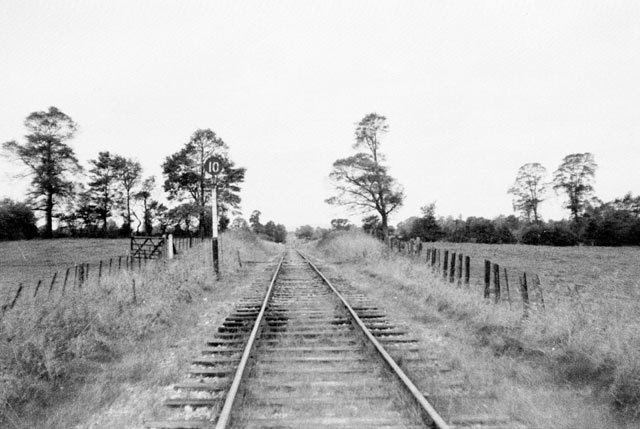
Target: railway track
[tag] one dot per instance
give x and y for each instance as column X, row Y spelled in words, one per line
column 302, row 355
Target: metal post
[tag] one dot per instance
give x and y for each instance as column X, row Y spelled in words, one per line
column 214, row 231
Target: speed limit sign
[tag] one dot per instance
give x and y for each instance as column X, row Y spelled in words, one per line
column 213, row 165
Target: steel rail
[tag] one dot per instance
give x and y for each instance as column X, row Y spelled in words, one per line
column 438, row 421
column 225, row 414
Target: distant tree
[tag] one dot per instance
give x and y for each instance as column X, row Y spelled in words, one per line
column 575, row 177
column 49, row 158
column 270, row 229
column 628, row 203
column 280, row 235
column 128, row 175
column 185, row 177
column 528, row 190
column 361, row 181
column 305, row 232
column 144, row 195
column 239, row 223
column 183, row 216
column 341, row 224
column 103, row 185
column 17, row 221
column 254, row 221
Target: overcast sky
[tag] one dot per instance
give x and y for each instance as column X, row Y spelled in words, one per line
column 472, row 90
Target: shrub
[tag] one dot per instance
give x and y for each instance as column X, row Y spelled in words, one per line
column 554, row 235
column 17, row 221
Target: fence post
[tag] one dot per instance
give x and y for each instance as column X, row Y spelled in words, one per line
column 100, row 272
column 110, row 264
column 15, row 298
column 452, row 268
column 467, row 269
column 52, row 282
column 35, row 292
column 496, row 282
column 190, row 241
column 66, row 276
column 445, row 264
column 86, row 274
column 80, row 275
column 169, row 245
column 460, row 269
column 525, row 293
column 133, row 287
column 487, row 278
column 506, row 285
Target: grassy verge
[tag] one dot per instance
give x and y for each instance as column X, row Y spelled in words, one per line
column 64, row 360
column 579, row 357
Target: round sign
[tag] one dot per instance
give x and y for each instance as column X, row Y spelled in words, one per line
column 213, row 165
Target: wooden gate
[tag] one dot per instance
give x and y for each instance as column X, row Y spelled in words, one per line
column 147, row 247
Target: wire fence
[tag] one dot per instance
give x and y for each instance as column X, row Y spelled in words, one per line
column 496, row 282
column 75, row 277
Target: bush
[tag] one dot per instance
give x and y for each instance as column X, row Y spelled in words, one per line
column 17, row 221
column 549, row 235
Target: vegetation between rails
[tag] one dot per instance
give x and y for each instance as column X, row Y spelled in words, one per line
column 584, row 342
column 48, row 348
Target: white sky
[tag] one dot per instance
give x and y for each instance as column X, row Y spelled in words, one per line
column 472, row 90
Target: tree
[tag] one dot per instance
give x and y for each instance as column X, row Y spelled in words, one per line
column 103, row 185
column 254, row 221
column 128, row 174
column 305, row 232
column 49, row 159
column 341, row 224
column 185, row 177
column 528, row 190
column 183, row 216
column 361, row 181
column 575, row 177
column 17, row 221
column 148, row 185
column 239, row 223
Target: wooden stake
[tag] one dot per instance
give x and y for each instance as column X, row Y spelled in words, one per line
column 524, row 292
column 35, row 292
column 445, row 264
column 496, row 282
column 452, row 269
column 66, row 276
column 467, row 269
column 487, row 278
column 460, row 269
column 506, row 285
column 52, row 282
column 15, row 298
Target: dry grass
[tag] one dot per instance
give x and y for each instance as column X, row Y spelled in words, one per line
column 100, row 336
column 583, row 344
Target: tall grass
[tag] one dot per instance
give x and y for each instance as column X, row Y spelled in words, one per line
column 45, row 344
column 587, row 342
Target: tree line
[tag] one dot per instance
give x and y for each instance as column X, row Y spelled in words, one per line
column 363, row 185
column 90, row 202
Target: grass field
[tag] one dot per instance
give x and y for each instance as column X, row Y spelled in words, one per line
column 550, row 369
column 611, row 272
column 28, row 261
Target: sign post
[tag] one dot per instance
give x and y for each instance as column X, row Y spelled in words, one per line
column 213, row 166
